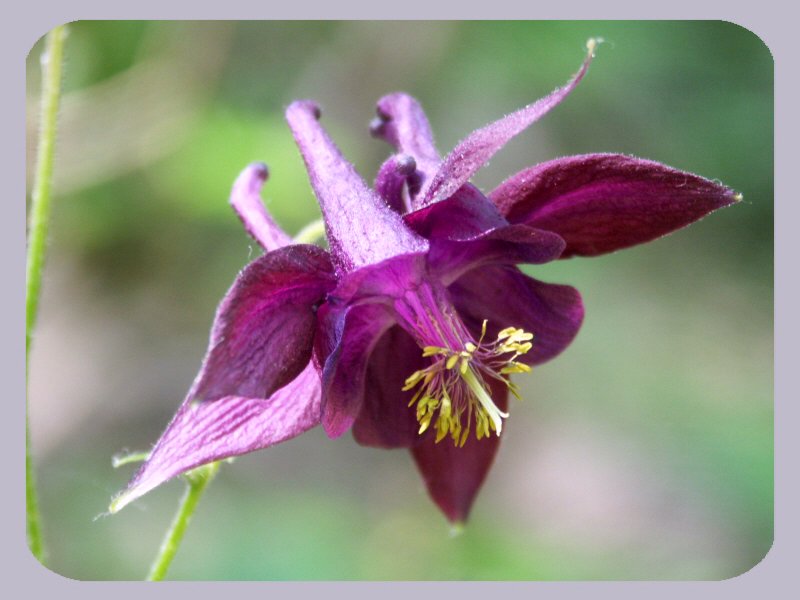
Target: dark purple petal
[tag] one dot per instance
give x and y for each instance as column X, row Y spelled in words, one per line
column 344, row 377
column 361, row 228
column 246, row 201
column 454, row 475
column 263, row 331
column 604, row 202
column 385, row 419
column 506, row 297
column 390, row 183
column 464, row 215
column 450, row 259
column 380, row 282
column 204, row 432
column 474, row 151
column 402, row 123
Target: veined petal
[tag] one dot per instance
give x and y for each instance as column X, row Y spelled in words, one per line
column 246, row 201
column 506, row 297
column 402, row 123
column 361, row 228
column 385, row 419
column 474, row 151
column 454, row 475
column 380, row 282
column 205, row 432
column 226, row 413
column 467, row 214
column 604, row 202
column 448, row 260
column 344, row 376
column 263, row 331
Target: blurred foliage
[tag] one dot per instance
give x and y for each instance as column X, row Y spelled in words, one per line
column 668, row 386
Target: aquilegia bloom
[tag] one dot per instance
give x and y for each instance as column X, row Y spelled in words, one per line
column 408, row 330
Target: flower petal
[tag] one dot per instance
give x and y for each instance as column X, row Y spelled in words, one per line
column 205, row 432
column 390, row 183
column 380, row 282
column 506, row 297
column 263, row 331
column 600, row 203
column 402, row 123
column 345, row 374
column 361, row 228
column 464, row 215
column 385, row 419
column 478, row 147
column 246, row 201
column 448, row 260
column 454, row 475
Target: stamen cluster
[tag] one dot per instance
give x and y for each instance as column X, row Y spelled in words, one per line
column 454, row 389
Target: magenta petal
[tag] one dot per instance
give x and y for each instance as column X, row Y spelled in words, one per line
column 506, row 297
column 454, row 475
column 402, row 123
column 604, row 202
column 448, row 260
column 381, row 282
column 390, row 183
column 479, row 146
column 385, row 419
column 361, row 228
column 205, row 432
column 464, row 215
column 263, row 331
column 344, row 376
column 246, row 201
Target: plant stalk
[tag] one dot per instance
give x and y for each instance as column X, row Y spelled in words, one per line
column 52, row 63
column 198, row 479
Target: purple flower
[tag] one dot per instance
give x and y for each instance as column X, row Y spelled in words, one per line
column 408, row 330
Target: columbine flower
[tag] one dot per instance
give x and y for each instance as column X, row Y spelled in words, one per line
column 418, row 316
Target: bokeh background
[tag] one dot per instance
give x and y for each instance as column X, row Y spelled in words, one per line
column 644, row 452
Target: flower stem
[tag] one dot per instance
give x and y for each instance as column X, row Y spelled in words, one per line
column 197, row 481
column 311, row 233
column 52, row 61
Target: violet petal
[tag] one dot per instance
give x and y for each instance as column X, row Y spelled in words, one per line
column 246, row 201
column 205, row 432
column 264, row 327
column 464, row 215
column 448, row 260
column 506, row 297
column 479, row 146
column 344, row 375
column 385, row 419
column 380, row 282
column 454, row 475
column 604, row 202
column 361, row 228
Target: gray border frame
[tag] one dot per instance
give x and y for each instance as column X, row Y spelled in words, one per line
column 772, row 24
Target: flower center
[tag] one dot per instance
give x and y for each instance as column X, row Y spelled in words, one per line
column 452, row 392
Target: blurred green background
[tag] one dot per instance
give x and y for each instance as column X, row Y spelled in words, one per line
column 644, row 452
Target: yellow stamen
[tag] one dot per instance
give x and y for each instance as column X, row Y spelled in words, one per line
column 454, row 396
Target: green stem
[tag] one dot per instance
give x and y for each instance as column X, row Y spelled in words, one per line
column 311, row 233
column 52, row 61
column 198, row 479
